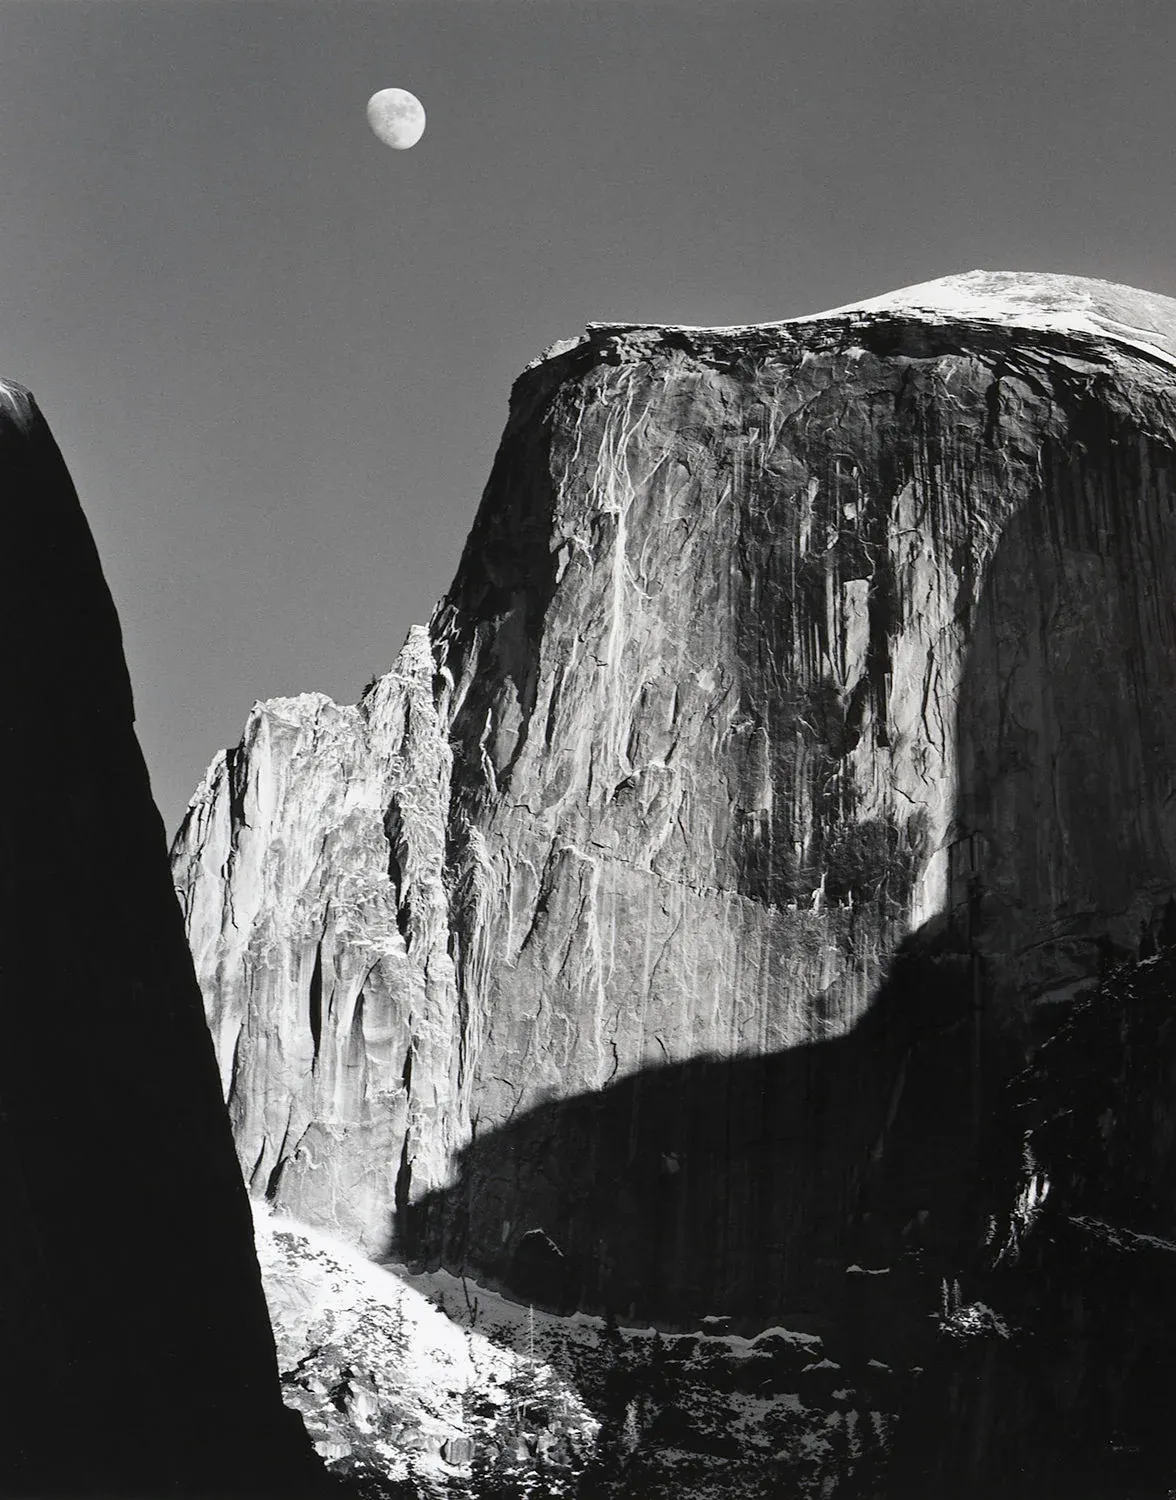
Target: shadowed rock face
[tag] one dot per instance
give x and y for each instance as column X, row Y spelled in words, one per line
column 138, row 1359
column 1074, row 1397
column 773, row 651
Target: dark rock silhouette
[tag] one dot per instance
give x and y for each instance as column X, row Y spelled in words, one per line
column 137, row 1355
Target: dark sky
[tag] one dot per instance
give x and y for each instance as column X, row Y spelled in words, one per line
column 277, row 354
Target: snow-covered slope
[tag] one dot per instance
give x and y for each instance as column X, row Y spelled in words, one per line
column 386, row 1383
column 1143, row 321
column 1082, row 307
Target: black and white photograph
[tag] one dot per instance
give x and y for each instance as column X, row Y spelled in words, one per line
column 589, row 840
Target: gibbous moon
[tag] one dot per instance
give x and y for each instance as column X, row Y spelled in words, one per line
column 396, row 117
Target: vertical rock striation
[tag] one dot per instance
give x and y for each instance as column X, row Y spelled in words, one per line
column 311, row 869
column 138, row 1358
column 777, row 655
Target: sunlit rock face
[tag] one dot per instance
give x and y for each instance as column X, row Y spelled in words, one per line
column 310, row 867
column 773, row 650
column 138, row 1357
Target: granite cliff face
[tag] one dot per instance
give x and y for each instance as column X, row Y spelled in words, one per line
column 138, row 1358
column 795, row 743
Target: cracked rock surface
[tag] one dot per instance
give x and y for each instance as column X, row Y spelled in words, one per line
column 775, row 653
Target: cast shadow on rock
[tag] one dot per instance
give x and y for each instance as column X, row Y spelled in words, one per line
column 739, row 1186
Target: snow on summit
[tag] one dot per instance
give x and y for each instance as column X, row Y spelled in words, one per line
column 1144, row 321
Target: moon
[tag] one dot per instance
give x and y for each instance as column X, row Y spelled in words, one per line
column 397, row 118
